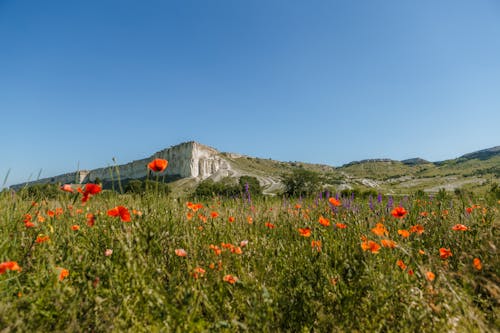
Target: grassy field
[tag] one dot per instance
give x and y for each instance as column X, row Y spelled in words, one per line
column 269, row 265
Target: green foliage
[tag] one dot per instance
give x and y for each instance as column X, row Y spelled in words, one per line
column 37, row 191
column 253, row 185
column 136, row 186
column 301, row 182
column 208, row 188
column 284, row 285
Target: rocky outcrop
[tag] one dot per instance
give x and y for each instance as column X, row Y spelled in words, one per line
column 186, row 160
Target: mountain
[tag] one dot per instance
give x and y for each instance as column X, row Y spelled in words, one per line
column 192, row 162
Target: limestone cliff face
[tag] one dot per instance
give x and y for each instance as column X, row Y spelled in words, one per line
column 187, row 160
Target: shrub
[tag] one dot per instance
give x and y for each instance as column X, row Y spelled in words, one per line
column 301, row 182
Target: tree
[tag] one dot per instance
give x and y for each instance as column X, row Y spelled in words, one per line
column 301, row 182
column 253, row 185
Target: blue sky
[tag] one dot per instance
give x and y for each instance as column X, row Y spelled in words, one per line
column 327, row 82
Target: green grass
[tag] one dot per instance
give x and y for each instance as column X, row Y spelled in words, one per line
column 283, row 283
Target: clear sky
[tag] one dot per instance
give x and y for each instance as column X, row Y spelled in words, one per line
column 317, row 81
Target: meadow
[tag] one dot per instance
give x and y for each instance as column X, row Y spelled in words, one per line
column 98, row 261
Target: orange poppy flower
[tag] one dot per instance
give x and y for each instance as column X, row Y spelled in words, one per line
column 270, row 225
column 422, row 252
column 29, row 224
column 380, row 230
column 216, row 249
column 418, row 229
column 90, row 219
column 42, row 238
column 40, row 218
column 324, row 221
column 120, row 211
column 477, row 264
column 231, row 219
column 158, row 165
column 50, row 213
column 401, row 264
column 460, row 227
column 214, row 215
column 75, row 227
column 298, row 206
column 469, row 210
column 334, row 202
column 399, row 212
column 316, row 244
column 404, row 233
column 236, row 250
column 249, row 219
column 9, row 266
column 306, row 232
column 424, row 214
column 430, row 276
column 370, row 246
column 388, row 243
column 230, row 279
column 202, row 218
column 198, row 272
column 63, row 273
column 341, row 225
column 180, row 252
column 445, row 253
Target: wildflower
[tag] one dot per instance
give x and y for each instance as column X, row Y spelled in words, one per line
column 430, row 276
column 341, row 225
column 298, row 206
column 445, row 253
column 270, row 225
column 63, row 273
column 249, row 219
column 236, row 250
column 324, row 221
column 401, row 264
column 198, row 272
column 90, row 189
column 120, row 211
column 158, row 165
column 90, row 219
column 29, row 224
column 459, row 227
column 75, row 227
column 231, row 219
column 67, row 188
column 399, row 212
column 477, row 264
column 316, row 244
column 404, row 233
column 334, row 202
column 9, row 266
column 137, row 212
column 380, row 230
column 469, row 210
column 388, row 243
column 108, row 252
column 214, row 215
column 410, row 272
column 370, row 246
column 50, row 213
column 422, row 252
column 40, row 218
column 306, row 232
column 180, row 252
column 244, row 243
column 230, row 279
column 41, row 239
column 424, row 214
column 418, row 229
column 216, row 249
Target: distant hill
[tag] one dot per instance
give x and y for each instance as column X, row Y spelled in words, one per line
column 192, row 162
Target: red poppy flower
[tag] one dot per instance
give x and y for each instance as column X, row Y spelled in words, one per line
column 158, row 165
column 445, row 253
column 399, row 212
column 430, row 276
column 370, row 246
column 270, row 225
column 477, row 264
column 63, row 273
column 401, row 264
column 9, row 266
column 418, row 229
column 120, row 211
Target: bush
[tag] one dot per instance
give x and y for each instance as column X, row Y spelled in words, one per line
column 38, row 191
column 136, row 186
column 301, row 182
column 253, row 185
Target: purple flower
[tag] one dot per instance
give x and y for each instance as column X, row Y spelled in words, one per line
column 379, row 197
